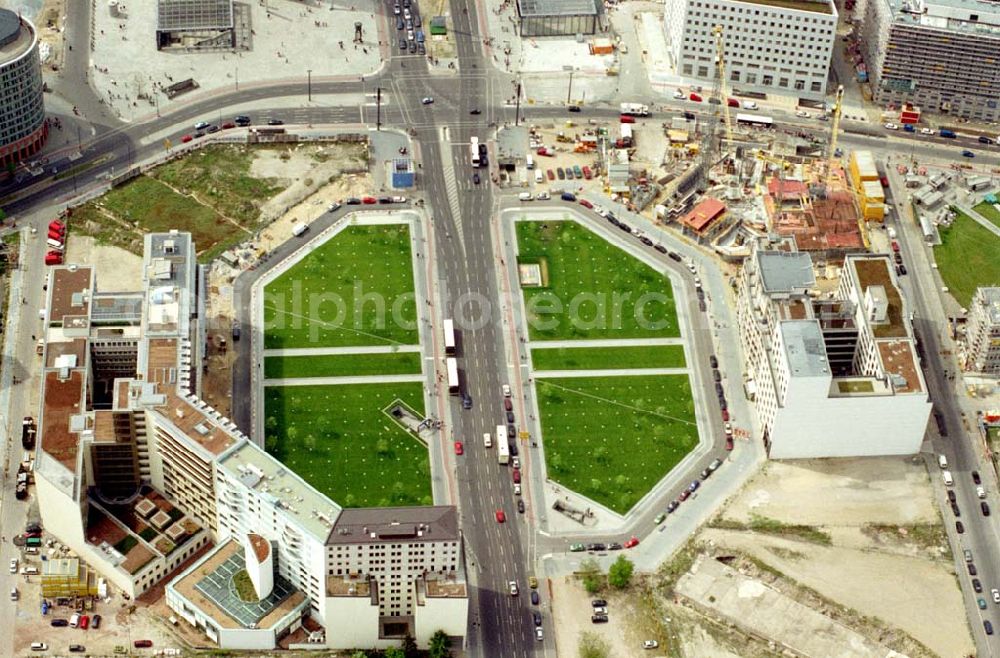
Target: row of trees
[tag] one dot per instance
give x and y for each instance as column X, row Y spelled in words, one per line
column 619, row 574
column 439, row 648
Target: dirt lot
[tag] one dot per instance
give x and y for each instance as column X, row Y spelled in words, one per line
column 117, row 270
column 571, row 610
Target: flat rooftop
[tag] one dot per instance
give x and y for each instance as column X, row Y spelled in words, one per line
column 876, row 271
column 804, row 348
column 785, row 272
column 64, row 398
column 349, row 586
column 69, row 293
column 815, row 6
column 445, row 588
column 989, row 300
column 900, row 364
column 188, row 15
column 395, row 524
column 261, row 472
column 208, row 586
column 16, row 36
column 528, row 8
column 948, row 15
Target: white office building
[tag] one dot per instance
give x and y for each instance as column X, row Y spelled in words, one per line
column 138, row 476
column 770, row 47
column 982, row 333
column 835, row 374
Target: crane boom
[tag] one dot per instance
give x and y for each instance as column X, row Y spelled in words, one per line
column 834, row 131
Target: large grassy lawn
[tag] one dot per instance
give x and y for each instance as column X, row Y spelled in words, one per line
column 338, row 440
column 606, row 358
column 968, row 257
column 613, row 438
column 356, row 289
column 594, row 290
column 342, row 365
column 989, row 212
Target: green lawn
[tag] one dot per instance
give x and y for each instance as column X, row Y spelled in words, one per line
column 356, row 289
column 967, row 258
column 594, row 290
column 342, row 365
column 613, row 438
column 339, row 441
column 989, row 212
column 604, row 358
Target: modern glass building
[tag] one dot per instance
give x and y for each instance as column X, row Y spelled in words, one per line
column 23, row 128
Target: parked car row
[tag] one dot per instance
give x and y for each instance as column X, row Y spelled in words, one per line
column 369, row 201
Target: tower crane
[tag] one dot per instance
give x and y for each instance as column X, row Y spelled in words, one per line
column 834, row 131
column 708, row 150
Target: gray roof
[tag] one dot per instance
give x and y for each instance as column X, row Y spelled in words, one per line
column 10, row 26
column 784, row 271
column 804, row 348
column 179, row 15
column 990, row 299
column 556, row 8
column 395, row 524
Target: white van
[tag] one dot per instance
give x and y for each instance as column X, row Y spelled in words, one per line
column 525, row 196
column 299, row 229
column 529, row 162
column 487, row 440
column 39, row 646
column 749, row 105
column 946, row 476
column 942, row 461
column 55, row 244
column 539, row 178
column 13, row 594
column 74, row 621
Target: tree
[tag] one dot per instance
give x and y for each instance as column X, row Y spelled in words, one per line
column 410, row 647
column 359, row 654
column 394, row 652
column 590, row 575
column 382, row 447
column 593, row 646
column 439, row 645
column 620, row 573
column 271, row 424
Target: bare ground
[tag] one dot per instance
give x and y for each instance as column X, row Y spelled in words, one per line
column 117, row 270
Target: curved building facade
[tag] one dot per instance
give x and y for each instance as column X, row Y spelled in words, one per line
column 23, row 128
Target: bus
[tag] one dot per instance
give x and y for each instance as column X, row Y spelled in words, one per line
column 754, row 120
column 452, row 364
column 503, row 448
column 474, row 151
column 449, row 337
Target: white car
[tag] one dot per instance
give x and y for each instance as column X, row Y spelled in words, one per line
column 928, row 131
column 600, row 610
column 517, row 490
column 515, row 462
column 543, row 196
column 539, row 635
column 891, row 126
column 650, row 644
column 427, row 101
column 13, row 565
column 506, row 390
column 201, row 125
column 981, row 492
column 512, row 587
column 804, row 115
column 679, row 95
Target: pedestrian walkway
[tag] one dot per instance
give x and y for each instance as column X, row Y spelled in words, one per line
column 606, row 342
column 979, row 219
column 617, row 372
column 332, row 381
column 325, row 351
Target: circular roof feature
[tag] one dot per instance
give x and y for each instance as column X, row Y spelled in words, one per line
column 10, row 26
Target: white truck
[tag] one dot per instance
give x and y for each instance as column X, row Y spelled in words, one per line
column 635, row 109
column 299, row 229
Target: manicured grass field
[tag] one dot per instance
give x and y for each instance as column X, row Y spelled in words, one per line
column 989, row 212
column 613, row 438
column 338, row 440
column 605, row 358
column 341, row 365
column 356, row 289
column 594, row 290
column 967, row 258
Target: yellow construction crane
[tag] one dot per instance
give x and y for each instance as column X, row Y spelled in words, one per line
column 834, row 131
column 721, row 62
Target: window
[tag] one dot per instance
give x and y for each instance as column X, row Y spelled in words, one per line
column 783, row 82
column 800, row 84
column 816, row 86
column 768, row 80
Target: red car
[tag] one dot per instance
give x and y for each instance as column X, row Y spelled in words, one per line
column 227, row 125
column 517, row 476
column 625, row 118
column 186, row 138
column 729, row 443
column 501, row 517
column 684, row 496
column 695, row 97
column 895, row 246
column 586, row 204
column 551, row 174
column 143, row 644
column 459, row 449
column 84, row 622
column 53, row 258
column 732, row 102
column 725, row 414
column 369, row 200
column 587, row 173
column 885, row 181
column 56, row 225
column 634, row 541
column 542, row 151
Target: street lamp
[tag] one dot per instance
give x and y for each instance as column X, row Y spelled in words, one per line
column 309, row 84
column 569, row 92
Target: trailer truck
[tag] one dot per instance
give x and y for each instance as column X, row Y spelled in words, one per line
column 635, row 110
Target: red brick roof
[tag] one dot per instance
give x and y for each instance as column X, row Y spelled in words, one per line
column 704, row 214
